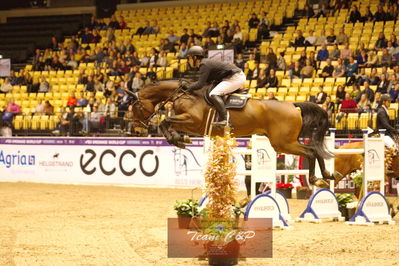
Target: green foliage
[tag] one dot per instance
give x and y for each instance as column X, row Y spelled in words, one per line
column 187, row 208
column 344, row 199
column 357, row 178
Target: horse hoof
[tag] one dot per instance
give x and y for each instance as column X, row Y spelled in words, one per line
column 186, row 139
column 312, row 180
column 322, row 183
column 180, row 145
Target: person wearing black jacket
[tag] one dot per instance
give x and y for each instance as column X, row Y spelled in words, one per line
column 228, row 78
column 354, row 15
column 383, row 120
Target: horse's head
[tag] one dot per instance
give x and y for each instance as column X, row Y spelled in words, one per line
column 145, row 101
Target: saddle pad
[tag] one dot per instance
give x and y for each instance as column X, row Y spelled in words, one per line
column 236, row 102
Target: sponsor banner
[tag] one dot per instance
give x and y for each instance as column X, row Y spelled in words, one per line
column 119, row 161
column 220, row 238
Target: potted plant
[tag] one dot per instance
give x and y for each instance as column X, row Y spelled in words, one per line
column 346, row 205
column 285, row 188
column 303, row 192
column 186, row 209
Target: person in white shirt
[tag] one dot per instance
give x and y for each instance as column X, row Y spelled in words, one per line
column 238, row 33
column 162, row 60
column 311, row 39
column 39, row 109
column 6, row 86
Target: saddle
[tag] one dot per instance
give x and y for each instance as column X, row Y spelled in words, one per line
column 237, row 100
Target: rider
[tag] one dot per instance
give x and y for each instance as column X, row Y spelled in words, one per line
column 228, row 78
column 383, row 121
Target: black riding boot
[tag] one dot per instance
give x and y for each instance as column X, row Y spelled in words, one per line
column 219, row 105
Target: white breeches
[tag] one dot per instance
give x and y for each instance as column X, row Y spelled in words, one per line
column 229, row 85
column 389, row 142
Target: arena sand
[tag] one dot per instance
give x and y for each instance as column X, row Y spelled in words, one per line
column 43, row 224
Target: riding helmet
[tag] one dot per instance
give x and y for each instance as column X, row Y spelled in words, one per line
column 196, row 51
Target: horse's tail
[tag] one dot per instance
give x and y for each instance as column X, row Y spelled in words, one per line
column 315, row 124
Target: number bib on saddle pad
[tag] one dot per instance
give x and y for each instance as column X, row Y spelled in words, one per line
column 235, row 101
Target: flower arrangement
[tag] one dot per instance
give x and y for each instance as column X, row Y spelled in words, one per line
column 219, row 177
column 284, row 185
column 344, row 199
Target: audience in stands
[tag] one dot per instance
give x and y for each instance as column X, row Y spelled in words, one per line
column 6, row 87
column 39, row 108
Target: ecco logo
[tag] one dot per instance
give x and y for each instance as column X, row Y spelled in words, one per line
column 88, row 169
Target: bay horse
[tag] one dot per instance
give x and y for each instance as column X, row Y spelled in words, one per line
column 282, row 122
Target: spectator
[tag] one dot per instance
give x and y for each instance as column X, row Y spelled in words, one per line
column 347, row 106
column 253, row 21
column 382, row 86
column 182, row 51
column 213, row 31
column 82, row 101
column 11, row 110
column 109, row 112
column 154, row 57
column 172, row 38
column 351, row 70
column 93, row 120
column 239, row 62
column 362, row 59
column 271, row 96
column 263, row 27
column 72, row 100
column 377, row 102
column 156, row 29
column 162, row 60
column 374, row 79
column 86, row 35
column 113, row 23
column 128, row 120
column 89, row 86
column 281, row 63
column 110, row 35
column 272, row 81
column 145, row 30
column 346, row 54
column 261, row 80
column 144, row 60
column 362, row 77
column 369, row 16
column 311, row 39
column 44, row 85
column 295, row 72
column 392, row 83
column 340, row 94
column 368, row 91
column 322, row 54
column 321, row 96
column 151, row 75
column 308, row 13
column 48, row 108
column 372, row 60
column 331, row 39
column 335, row 53
column 342, row 39
column 307, row 70
column 167, row 46
column 238, row 33
column 394, row 93
column 271, row 58
column 354, row 15
column 137, row 83
column 386, row 58
column 39, row 109
column 96, row 37
column 327, row 70
column 206, row 31
column 322, row 39
column 6, row 86
column 299, row 40
column 122, row 23
column 328, row 105
column 303, row 58
column 355, row 91
column 380, row 14
column 184, row 37
column 381, row 42
column 363, row 106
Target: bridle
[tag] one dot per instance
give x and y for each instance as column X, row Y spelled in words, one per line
column 174, row 96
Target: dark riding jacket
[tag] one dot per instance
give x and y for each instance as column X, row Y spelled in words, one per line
column 213, row 71
column 383, row 122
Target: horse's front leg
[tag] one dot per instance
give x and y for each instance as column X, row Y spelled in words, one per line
column 184, row 118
